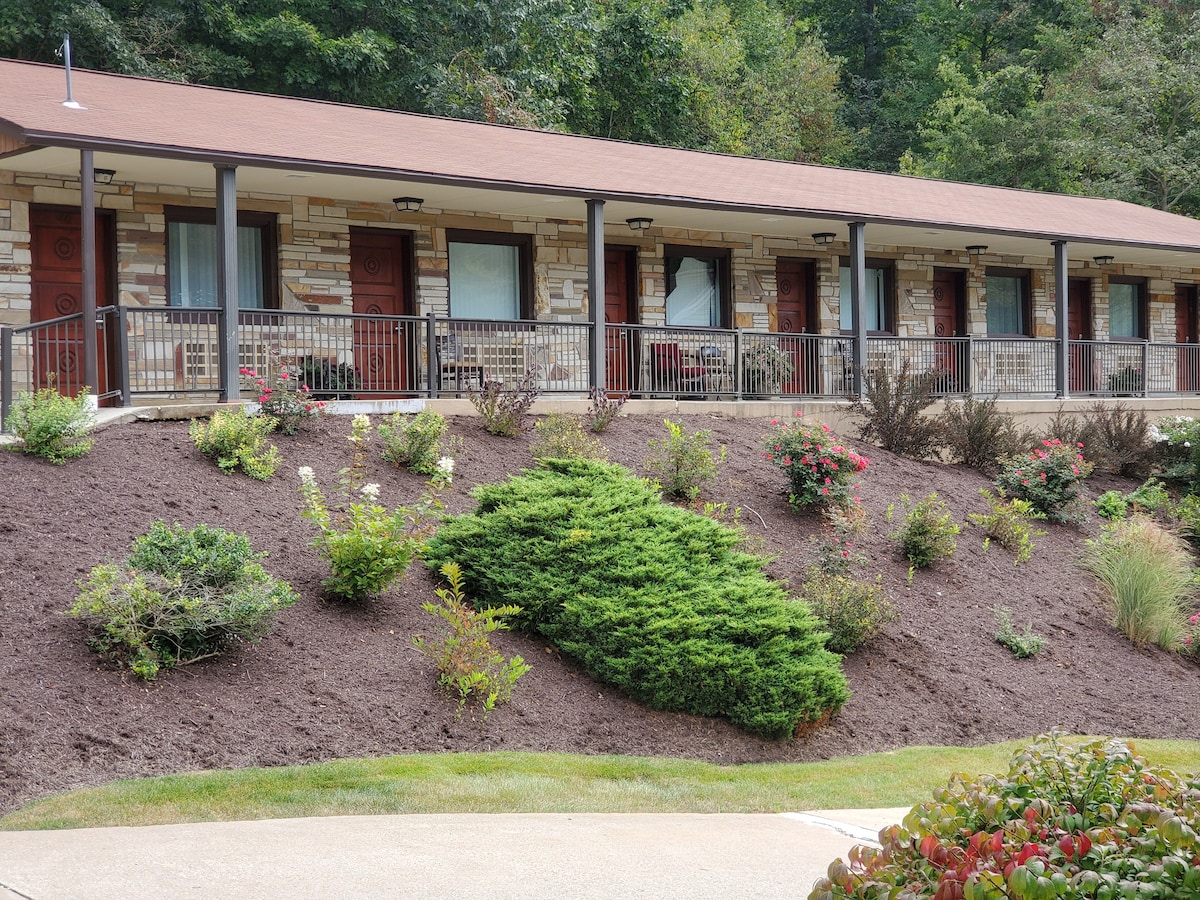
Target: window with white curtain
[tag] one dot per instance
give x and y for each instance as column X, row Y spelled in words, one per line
column 1125, row 310
column 875, row 300
column 695, row 287
column 192, row 262
column 485, row 281
column 1006, row 303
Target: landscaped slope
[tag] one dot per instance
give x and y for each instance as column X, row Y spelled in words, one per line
column 334, row 681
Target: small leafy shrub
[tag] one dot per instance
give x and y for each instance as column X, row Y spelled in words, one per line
column 1086, row 821
column 819, row 469
column 1048, row 478
column 1009, row 524
column 929, row 532
column 182, row 595
column 651, row 598
column 468, row 665
column 979, row 435
column 1118, row 439
column 51, row 425
column 603, row 410
column 853, row 611
column 1023, row 644
column 1177, row 441
column 286, row 400
column 1187, row 514
column 417, row 441
column 329, row 380
column 236, row 440
column 1150, row 498
column 1148, row 574
column 504, row 409
column 560, row 436
column 1111, row 505
column 837, row 552
column 366, row 545
column 893, row 409
column 681, row 462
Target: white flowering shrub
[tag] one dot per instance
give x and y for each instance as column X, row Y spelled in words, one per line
column 1177, row 439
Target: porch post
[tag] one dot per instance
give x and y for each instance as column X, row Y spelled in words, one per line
column 1062, row 346
column 858, row 281
column 227, row 280
column 87, row 235
column 595, row 234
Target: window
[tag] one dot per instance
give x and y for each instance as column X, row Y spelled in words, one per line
column 1126, row 310
column 876, row 298
column 1007, row 295
column 491, row 275
column 192, row 258
column 697, row 286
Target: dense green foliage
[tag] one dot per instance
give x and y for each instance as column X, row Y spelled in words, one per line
column 654, row 599
column 928, row 533
column 236, row 440
column 1034, row 95
column 52, row 425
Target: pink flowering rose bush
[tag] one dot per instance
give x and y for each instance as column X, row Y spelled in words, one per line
column 1049, row 478
column 286, row 400
column 820, row 470
column 1189, row 644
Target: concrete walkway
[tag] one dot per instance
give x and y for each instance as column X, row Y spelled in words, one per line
column 431, row 857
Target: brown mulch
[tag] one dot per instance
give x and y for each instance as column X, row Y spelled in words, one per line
column 331, row 681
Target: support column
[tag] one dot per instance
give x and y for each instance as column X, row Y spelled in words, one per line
column 87, row 236
column 595, row 244
column 858, row 281
column 227, row 280
column 1062, row 345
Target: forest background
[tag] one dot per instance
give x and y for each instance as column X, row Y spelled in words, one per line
column 1097, row 97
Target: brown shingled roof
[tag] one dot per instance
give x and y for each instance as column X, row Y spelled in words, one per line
column 188, row 121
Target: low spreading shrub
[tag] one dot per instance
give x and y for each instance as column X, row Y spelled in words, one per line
column 1023, row 644
column 1148, row 573
column 1049, row 478
column 651, row 598
column 893, row 409
column 820, row 470
column 1150, row 498
column 1111, row 505
column 976, row 433
column 852, row 611
column 682, row 462
column 929, row 532
column 468, row 665
column 182, row 595
column 285, row 399
column 51, row 425
column 237, row 441
column 560, row 436
column 1086, row 821
column 416, row 441
column 1009, row 523
column 603, row 409
column 504, row 410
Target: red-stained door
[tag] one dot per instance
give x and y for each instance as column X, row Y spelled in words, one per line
column 620, row 364
column 1079, row 328
column 381, row 285
column 948, row 323
column 795, row 314
column 1187, row 359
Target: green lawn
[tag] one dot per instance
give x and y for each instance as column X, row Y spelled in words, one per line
column 536, row 782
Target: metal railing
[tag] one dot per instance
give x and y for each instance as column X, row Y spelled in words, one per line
column 555, row 355
column 1013, row 367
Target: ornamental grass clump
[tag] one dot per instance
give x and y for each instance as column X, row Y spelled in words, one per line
column 820, row 470
column 1049, row 478
column 51, row 425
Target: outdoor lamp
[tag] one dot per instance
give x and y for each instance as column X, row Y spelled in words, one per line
column 976, row 249
column 103, row 176
column 1102, row 260
column 639, row 223
column 408, row 204
column 824, row 238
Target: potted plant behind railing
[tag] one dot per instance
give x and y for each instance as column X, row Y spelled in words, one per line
column 765, row 369
column 1126, row 382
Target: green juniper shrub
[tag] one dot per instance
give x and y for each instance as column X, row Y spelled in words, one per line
column 51, row 425
column 893, row 411
column 603, row 409
column 1009, row 523
column 182, row 595
column 1111, row 505
column 417, row 441
column 1118, row 439
column 237, row 441
column 1148, row 574
column 1049, row 478
column 682, row 462
column 928, row 533
column 651, row 598
column 561, row 436
column 504, row 410
column 1088, row 820
column 977, row 434
column 853, row 611
column 468, row 665
column 820, row 470
column 1023, row 644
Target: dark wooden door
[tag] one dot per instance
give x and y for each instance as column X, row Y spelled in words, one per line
column 620, row 363
column 57, row 288
column 1187, row 359
column 1079, row 328
column 380, row 280
column 795, row 315
column 948, row 356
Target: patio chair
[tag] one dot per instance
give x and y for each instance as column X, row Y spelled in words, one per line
column 669, row 373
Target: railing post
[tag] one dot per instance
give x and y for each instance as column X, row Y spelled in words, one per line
column 431, row 363
column 969, row 381
column 858, row 282
column 1145, row 392
column 1062, row 336
column 6, row 374
column 123, row 363
column 737, row 363
column 595, row 261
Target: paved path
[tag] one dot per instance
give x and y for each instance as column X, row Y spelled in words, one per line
column 518, row 856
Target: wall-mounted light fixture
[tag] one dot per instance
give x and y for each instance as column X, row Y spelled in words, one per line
column 408, row 204
column 824, row 238
column 976, row 249
column 104, row 176
column 639, row 223
column 1102, row 260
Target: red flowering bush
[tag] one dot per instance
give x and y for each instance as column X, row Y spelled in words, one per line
column 288, row 401
column 1048, row 478
column 820, row 470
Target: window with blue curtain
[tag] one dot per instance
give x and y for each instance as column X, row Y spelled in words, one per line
column 192, row 265
column 1005, row 304
column 874, row 300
